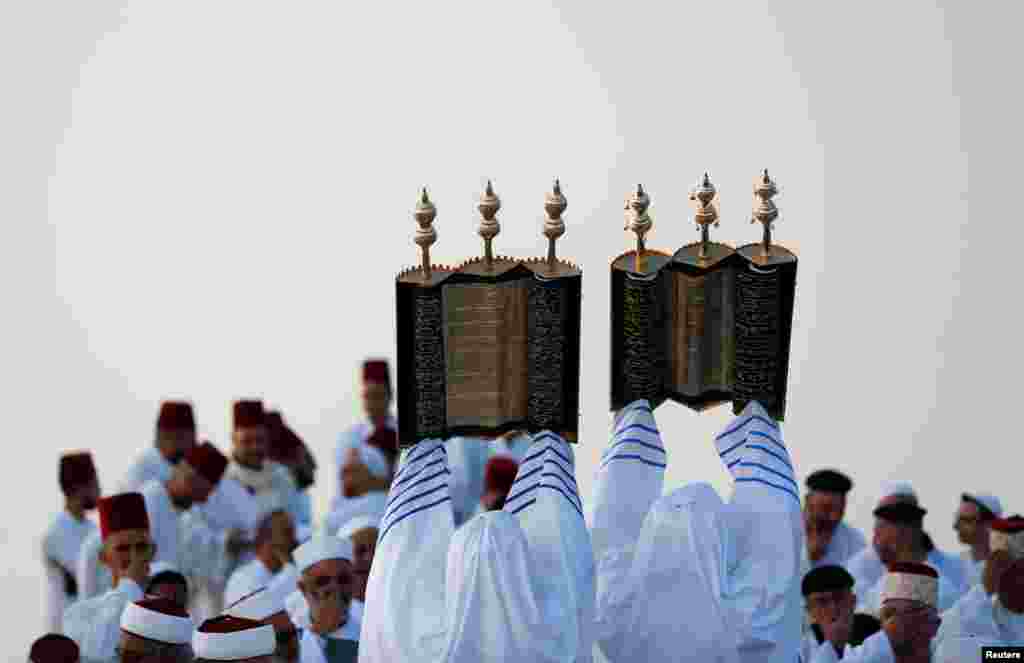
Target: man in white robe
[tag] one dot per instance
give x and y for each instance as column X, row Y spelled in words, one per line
column 685, row 576
column 175, row 435
column 990, row 609
column 288, row 449
column 63, row 539
column 266, row 606
column 92, row 577
column 511, row 585
column 155, row 626
column 899, row 537
column 324, row 564
column 270, row 484
column 377, row 399
column 227, row 638
column 53, row 648
column 830, row 540
column 909, row 621
column 973, row 519
column 95, row 624
column 275, row 541
column 363, row 473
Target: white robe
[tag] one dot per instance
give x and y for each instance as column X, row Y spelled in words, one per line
column 370, row 504
column 149, row 466
column 876, row 649
column 354, row 436
column 95, row 624
column 91, row 575
column 973, row 568
column 62, row 544
column 311, row 647
column 983, row 616
column 846, row 542
column 737, row 564
column 245, row 580
column 271, row 488
column 440, row 596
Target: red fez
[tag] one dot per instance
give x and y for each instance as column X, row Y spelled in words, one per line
column 249, row 413
column 175, row 416
column 125, row 511
column 914, row 568
column 376, row 370
column 1012, row 525
column 499, row 475
column 54, row 648
column 207, row 461
column 74, row 470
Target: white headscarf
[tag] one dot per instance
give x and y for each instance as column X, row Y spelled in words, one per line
column 404, row 618
column 546, row 500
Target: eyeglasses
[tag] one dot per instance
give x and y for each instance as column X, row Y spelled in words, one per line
column 323, row 581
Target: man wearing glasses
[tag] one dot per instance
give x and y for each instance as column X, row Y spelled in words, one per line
column 95, row 624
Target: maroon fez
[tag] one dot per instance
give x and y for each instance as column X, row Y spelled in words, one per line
column 376, row 370
column 124, row 511
column 499, row 475
column 248, row 414
column 176, row 416
column 75, row 469
column 386, row 440
column 54, row 648
column 207, row 461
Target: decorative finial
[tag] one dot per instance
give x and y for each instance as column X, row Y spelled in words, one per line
column 703, row 195
column 489, row 227
column 638, row 220
column 765, row 210
column 425, row 234
column 554, row 204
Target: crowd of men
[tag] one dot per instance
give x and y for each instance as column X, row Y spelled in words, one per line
column 482, row 550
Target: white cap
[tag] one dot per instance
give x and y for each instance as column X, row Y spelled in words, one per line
column 157, row 568
column 990, row 502
column 356, row 524
column 321, row 548
column 261, row 604
column 912, row 582
column 244, row 639
column 897, row 488
column 157, row 619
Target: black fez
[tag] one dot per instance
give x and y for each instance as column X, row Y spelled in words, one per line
column 829, row 481
column 828, row 578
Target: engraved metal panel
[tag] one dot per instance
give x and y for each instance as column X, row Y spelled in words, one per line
column 485, row 340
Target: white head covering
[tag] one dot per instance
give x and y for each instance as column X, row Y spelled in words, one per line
column 261, row 604
column 319, row 549
column 356, row 524
column 897, row 489
column 546, row 500
column 145, row 620
column 630, row 478
column 249, row 642
column 371, row 504
column 990, row 502
column 412, row 552
column 682, row 552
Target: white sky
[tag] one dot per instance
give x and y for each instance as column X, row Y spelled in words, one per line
column 211, row 199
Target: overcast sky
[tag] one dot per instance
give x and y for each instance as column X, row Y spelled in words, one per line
column 211, row 199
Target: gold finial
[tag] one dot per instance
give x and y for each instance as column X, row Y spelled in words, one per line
column 765, row 210
column 425, row 234
column 704, row 195
column 489, row 227
column 554, row 204
column 638, row 220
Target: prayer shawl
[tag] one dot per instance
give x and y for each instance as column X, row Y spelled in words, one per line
column 62, row 544
column 353, row 437
column 440, row 596
column 738, row 563
column 95, row 624
column 980, row 615
column 875, row 649
column 91, row 576
column 846, row 542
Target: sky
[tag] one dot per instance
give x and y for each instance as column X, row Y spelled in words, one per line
column 210, row 200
